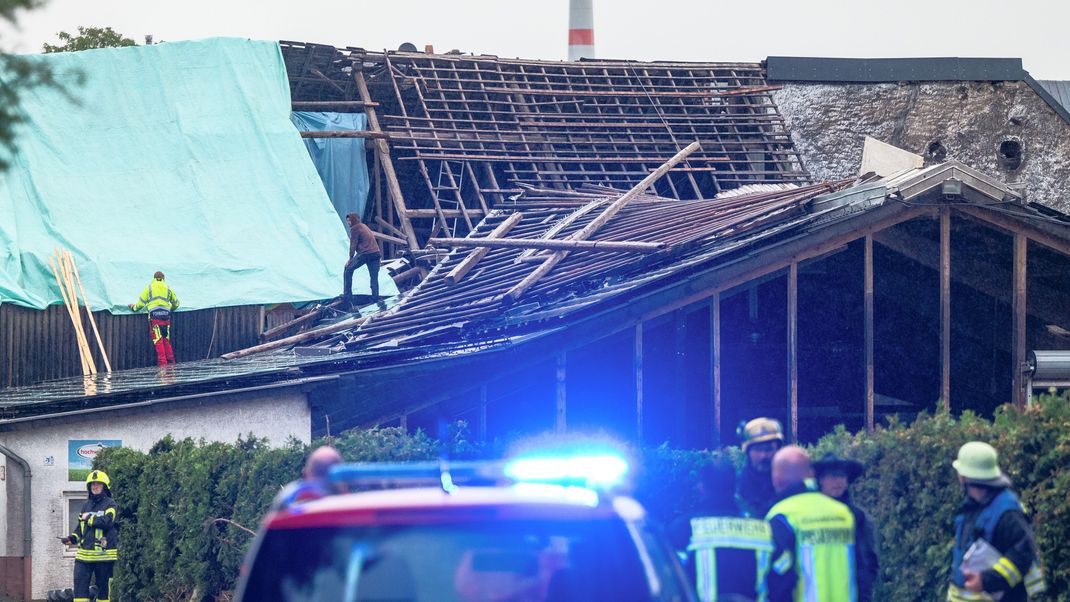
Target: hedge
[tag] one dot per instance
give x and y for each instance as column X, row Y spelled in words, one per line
column 186, row 506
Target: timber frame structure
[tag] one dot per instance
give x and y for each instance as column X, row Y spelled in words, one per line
column 824, row 304
column 457, row 135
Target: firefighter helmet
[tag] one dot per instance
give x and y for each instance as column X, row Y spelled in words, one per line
column 760, row 430
column 978, row 462
column 98, row 476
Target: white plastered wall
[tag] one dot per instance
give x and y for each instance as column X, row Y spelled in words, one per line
column 275, row 415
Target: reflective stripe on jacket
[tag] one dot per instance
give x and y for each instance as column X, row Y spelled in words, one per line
column 736, row 541
column 983, row 525
column 96, row 535
column 823, row 558
column 157, row 296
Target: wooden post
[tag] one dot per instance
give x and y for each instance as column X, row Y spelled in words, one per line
column 637, row 366
column 560, row 424
column 715, row 357
column 868, row 311
column 945, row 308
column 483, row 414
column 388, row 165
column 1018, row 334
column 793, row 367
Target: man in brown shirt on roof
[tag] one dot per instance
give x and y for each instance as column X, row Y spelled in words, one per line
column 363, row 250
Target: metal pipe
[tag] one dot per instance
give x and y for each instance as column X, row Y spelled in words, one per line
column 27, row 523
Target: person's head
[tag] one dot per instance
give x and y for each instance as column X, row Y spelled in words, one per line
column 978, row 470
column 835, row 474
column 158, row 275
column 97, row 482
column 717, row 483
column 352, row 218
column 791, row 466
column 762, row 437
column 319, row 463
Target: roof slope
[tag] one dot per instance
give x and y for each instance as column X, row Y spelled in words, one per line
column 177, row 157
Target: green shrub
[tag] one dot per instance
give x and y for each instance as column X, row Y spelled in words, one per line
column 184, row 504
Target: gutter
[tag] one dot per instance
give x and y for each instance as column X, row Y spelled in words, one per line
column 164, row 400
column 27, row 537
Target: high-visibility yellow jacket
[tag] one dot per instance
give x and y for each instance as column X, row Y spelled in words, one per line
column 159, row 299
column 814, row 549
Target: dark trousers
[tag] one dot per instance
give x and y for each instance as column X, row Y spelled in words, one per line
column 85, row 571
column 369, row 259
column 161, row 340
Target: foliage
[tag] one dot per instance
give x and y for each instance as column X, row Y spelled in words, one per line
column 913, row 493
column 17, row 76
column 175, row 548
column 89, row 38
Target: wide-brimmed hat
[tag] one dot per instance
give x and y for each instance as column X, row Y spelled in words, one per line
column 830, row 461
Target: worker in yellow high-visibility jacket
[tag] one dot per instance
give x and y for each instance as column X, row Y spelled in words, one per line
column 159, row 300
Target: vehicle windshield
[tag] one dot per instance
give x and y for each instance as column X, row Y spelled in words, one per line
column 505, row 561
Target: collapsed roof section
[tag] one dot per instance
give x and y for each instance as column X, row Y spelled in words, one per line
column 466, row 132
column 680, row 253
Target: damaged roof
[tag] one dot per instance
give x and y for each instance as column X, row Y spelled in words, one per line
column 686, row 249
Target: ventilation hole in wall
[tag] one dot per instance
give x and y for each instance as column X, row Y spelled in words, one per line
column 936, row 152
column 1010, row 154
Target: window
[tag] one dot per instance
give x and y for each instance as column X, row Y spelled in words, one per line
column 73, row 500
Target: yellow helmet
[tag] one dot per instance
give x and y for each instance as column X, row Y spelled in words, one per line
column 98, row 476
column 759, row 430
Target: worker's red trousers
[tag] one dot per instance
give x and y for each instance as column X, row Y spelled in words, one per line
column 161, row 339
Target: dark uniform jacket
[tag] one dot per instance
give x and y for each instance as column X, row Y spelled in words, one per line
column 754, row 492
column 1012, row 536
column 97, row 535
column 866, row 559
column 737, row 572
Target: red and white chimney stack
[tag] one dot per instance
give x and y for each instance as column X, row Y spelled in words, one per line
column 580, row 29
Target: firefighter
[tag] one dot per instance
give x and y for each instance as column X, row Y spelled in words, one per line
column 762, row 437
column 834, row 478
column 96, row 538
column 159, row 300
column 813, row 537
column 991, row 512
column 726, row 554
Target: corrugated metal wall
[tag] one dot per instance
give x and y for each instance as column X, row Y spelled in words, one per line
column 40, row 345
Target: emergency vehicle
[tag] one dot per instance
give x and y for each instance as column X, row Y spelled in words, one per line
column 534, row 529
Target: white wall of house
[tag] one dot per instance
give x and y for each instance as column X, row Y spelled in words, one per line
column 276, row 415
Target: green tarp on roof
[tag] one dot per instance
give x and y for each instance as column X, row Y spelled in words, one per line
column 178, row 157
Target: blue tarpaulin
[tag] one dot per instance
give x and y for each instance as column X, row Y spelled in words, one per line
column 178, row 157
column 339, row 161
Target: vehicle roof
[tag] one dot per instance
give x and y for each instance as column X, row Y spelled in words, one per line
column 433, row 505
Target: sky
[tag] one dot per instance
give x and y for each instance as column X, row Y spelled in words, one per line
column 687, row 30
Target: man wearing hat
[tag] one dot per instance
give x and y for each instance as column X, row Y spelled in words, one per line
column 990, row 511
column 834, row 476
column 762, row 437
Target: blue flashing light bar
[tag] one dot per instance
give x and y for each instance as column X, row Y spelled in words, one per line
column 409, row 473
column 600, row 471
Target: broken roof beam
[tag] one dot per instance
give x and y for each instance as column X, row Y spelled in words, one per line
column 518, row 290
column 609, row 246
column 461, row 269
